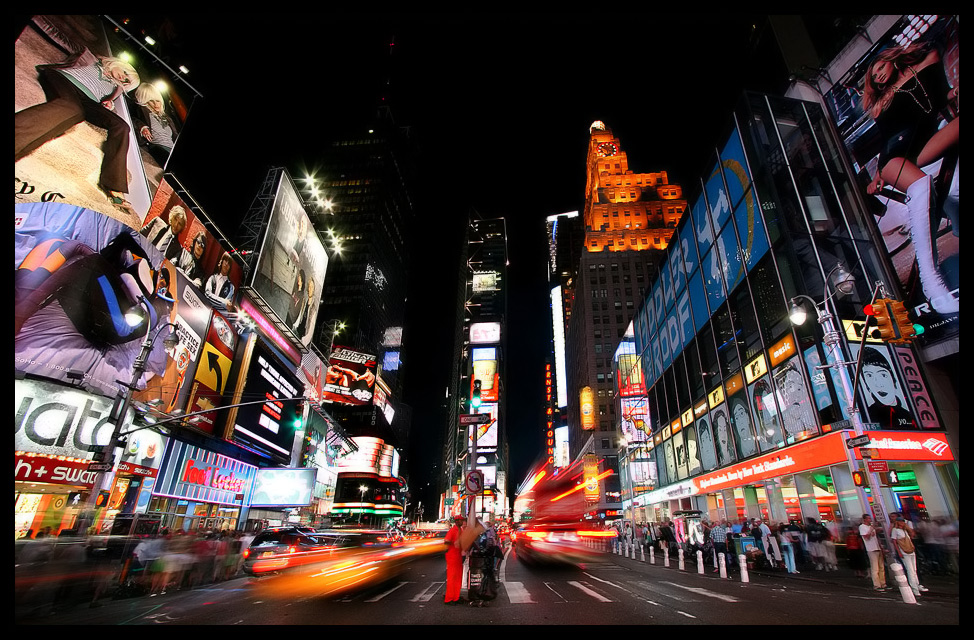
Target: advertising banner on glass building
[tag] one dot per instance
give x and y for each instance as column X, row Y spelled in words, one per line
column 898, row 112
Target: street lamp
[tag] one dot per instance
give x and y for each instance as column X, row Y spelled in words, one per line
column 844, row 284
column 361, row 490
column 334, row 328
column 121, row 406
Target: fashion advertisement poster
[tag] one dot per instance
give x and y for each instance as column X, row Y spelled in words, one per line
column 898, row 112
column 95, row 116
column 291, row 264
column 80, row 279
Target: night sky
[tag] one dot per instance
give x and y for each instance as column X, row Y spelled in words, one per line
column 500, row 106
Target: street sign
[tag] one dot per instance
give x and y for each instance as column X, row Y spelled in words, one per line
column 868, row 453
column 474, row 418
column 877, row 466
column 475, row 481
column 100, row 466
column 858, row 441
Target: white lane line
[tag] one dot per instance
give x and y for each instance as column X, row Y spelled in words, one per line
column 650, row 587
column 684, row 613
column 383, row 595
column 704, row 592
column 516, row 593
column 611, row 584
column 428, row 593
column 595, row 594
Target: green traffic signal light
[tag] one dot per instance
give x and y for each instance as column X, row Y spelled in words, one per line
column 475, row 396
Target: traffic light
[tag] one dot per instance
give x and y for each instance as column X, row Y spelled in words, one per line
column 102, row 499
column 859, row 478
column 888, row 331
column 903, row 323
column 475, row 396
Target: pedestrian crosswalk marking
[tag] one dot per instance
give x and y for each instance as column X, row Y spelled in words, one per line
column 517, row 594
column 428, row 593
column 385, row 593
column 704, row 592
column 591, row 592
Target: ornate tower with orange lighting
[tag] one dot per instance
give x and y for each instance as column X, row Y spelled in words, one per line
column 629, row 219
column 626, row 211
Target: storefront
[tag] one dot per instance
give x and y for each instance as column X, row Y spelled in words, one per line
column 917, row 471
column 57, row 430
column 198, row 489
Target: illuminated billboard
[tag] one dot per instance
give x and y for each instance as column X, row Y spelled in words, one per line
column 373, row 456
column 487, row 432
column 485, row 281
column 269, row 428
column 77, row 273
column 586, row 399
column 289, row 273
column 914, row 117
column 173, row 228
column 485, row 332
column 276, row 487
column 350, row 377
column 68, row 146
column 635, row 418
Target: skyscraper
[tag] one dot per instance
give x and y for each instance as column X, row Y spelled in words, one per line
column 477, row 383
column 629, row 219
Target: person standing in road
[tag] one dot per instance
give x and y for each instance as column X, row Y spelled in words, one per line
column 877, row 566
column 454, row 563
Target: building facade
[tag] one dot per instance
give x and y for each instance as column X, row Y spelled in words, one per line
column 629, row 219
column 479, row 375
column 750, row 413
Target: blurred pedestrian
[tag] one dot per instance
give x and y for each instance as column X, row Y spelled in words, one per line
column 856, row 552
column 787, row 543
column 950, row 534
column 454, row 563
column 815, row 535
column 771, row 545
column 667, row 538
column 877, row 566
column 902, row 538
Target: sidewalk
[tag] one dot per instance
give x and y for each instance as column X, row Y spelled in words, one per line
column 939, row 586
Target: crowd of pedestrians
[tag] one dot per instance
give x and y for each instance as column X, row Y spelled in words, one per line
column 65, row 570
column 922, row 546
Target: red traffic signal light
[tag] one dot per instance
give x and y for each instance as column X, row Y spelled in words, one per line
column 102, row 499
column 859, row 478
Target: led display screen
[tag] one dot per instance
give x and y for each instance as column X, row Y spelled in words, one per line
column 269, row 428
column 283, row 487
column 350, row 377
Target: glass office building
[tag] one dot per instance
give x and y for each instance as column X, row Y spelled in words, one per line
column 745, row 416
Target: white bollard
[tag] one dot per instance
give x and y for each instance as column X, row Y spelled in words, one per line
column 906, row 591
column 652, row 555
column 682, row 562
column 642, row 553
column 743, row 560
column 700, row 562
column 723, row 565
column 666, row 557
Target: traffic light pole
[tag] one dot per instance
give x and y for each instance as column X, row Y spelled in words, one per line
column 832, row 342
